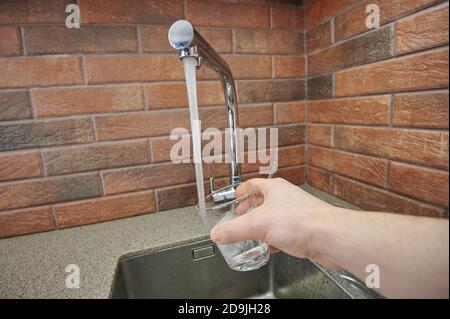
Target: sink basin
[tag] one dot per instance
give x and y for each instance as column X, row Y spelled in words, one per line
column 198, row 270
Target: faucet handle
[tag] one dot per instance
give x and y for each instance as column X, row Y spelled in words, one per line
column 225, row 193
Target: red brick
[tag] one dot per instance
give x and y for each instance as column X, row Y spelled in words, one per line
column 218, row 38
column 131, row 11
column 204, row 13
column 40, row 71
column 144, row 124
column 133, row 68
column 319, row 37
column 85, row 100
column 287, row 156
column 421, row 183
column 287, row 135
column 288, row 2
column 87, row 39
column 320, row 10
column 104, row 209
column 95, row 157
column 149, row 124
column 10, row 40
column 40, row 133
column 429, row 110
column 319, row 179
column 422, row 31
column 373, row 46
column 364, row 168
column 289, row 112
column 148, row 177
column 161, row 148
column 268, row 42
column 252, row 161
column 291, row 135
column 47, row 191
column 420, row 71
column 249, row 66
column 250, row 116
column 354, row 21
column 288, row 18
column 15, row 105
column 295, row 175
column 176, row 197
column 33, row 11
column 289, row 66
column 154, row 38
column 320, row 134
column 270, row 91
column 19, row 166
column 242, row 66
column 424, row 147
column 25, row 221
column 371, row 111
column 375, row 199
column 321, row 87
column 174, row 95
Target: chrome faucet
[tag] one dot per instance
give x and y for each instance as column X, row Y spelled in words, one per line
column 189, row 43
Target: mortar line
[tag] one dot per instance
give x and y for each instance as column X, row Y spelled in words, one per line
column 22, row 40
column 138, row 39
column 387, row 177
column 42, row 164
column 306, row 137
column 53, row 217
column 101, row 184
column 391, row 110
column 144, row 97
column 32, row 104
column 149, row 150
column 84, row 70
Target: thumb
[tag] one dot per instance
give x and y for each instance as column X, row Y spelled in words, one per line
column 244, row 227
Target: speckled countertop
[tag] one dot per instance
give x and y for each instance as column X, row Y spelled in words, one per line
column 33, row 266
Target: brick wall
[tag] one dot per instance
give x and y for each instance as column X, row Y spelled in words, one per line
column 85, row 113
column 377, row 104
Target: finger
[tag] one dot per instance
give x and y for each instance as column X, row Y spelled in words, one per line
column 325, row 262
column 243, row 189
column 245, row 205
column 259, row 201
column 255, row 186
column 273, row 250
column 244, row 227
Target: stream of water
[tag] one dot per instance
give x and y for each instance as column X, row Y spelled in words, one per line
column 191, row 84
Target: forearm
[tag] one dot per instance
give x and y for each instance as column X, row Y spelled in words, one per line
column 411, row 252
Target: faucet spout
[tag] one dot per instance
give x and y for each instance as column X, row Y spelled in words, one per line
column 189, row 43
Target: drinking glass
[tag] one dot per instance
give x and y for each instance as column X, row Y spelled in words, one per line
column 244, row 255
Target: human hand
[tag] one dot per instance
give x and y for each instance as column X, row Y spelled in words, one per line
column 287, row 219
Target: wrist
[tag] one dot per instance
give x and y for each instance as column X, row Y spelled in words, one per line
column 326, row 226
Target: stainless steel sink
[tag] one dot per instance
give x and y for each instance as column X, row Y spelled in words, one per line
column 198, row 270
